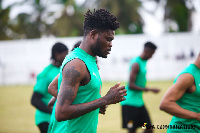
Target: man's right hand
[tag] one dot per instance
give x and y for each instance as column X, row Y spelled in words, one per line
column 116, row 94
column 155, row 90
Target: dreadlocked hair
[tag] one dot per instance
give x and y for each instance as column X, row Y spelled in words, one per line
column 99, row 20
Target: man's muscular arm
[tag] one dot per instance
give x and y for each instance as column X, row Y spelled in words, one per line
column 53, row 87
column 133, row 74
column 36, row 101
column 73, row 73
column 168, row 103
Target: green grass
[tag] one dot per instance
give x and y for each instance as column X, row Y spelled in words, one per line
column 17, row 115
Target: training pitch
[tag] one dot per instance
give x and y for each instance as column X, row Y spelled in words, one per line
column 17, row 115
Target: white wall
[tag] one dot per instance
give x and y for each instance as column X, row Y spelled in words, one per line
column 20, row 58
column 163, row 65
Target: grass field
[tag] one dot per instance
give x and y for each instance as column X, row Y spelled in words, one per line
column 17, row 114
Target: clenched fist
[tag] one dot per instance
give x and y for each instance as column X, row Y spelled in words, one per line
column 116, row 94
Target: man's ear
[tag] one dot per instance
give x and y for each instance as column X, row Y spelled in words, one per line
column 93, row 34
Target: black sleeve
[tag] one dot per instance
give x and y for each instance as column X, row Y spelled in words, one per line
column 36, row 101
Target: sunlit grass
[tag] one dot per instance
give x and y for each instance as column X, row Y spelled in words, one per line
column 17, row 114
column 111, row 122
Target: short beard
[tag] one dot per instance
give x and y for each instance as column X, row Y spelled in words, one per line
column 96, row 49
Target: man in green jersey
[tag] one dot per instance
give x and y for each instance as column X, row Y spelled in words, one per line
column 182, row 100
column 54, row 90
column 134, row 113
column 79, row 83
column 41, row 97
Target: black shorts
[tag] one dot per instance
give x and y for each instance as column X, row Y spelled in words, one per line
column 134, row 117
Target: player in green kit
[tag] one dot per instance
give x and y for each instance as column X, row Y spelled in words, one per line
column 54, row 90
column 134, row 112
column 182, row 100
column 41, row 97
column 79, row 84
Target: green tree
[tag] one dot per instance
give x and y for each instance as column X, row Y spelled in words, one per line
column 25, row 28
column 4, row 22
column 177, row 11
column 70, row 23
column 127, row 14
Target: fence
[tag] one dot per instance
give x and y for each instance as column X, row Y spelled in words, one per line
column 22, row 60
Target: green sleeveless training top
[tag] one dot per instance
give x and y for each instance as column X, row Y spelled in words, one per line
column 41, row 86
column 189, row 101
column 88, row 122
column 134, row 97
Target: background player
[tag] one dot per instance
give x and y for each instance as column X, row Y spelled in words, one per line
column 134, row 112
column 182, row 100
column 53, row 88
column 41, row 97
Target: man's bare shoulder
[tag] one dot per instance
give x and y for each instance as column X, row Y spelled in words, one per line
column 135, row 67
column 186, row 78
column 185, row 81
column 77, row 62
column 77, row 65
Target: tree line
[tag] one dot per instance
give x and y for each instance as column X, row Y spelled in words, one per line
column 67, row 19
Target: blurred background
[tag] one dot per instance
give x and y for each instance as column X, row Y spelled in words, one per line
column 28, row 30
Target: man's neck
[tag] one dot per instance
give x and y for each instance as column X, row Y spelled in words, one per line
column 57, row 64
column 86, row 47
column 142, row 56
